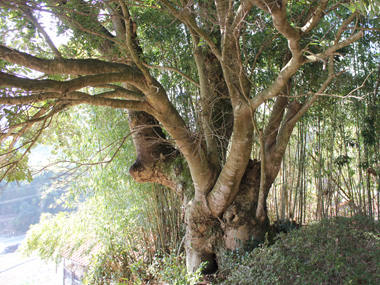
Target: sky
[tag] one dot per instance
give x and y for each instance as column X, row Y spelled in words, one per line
column 39, row 156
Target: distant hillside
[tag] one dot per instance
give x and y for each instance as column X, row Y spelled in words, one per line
column 21, row 203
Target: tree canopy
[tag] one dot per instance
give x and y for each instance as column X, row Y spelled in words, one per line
column 211, row 90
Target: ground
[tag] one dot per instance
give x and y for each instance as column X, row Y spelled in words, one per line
column 17, row 270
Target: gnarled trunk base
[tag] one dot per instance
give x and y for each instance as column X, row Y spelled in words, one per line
column 208, row 238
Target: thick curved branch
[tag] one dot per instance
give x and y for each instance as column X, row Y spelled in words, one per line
column 61, row 66
column 331, row 50
column 65, row 87
column 76, row 95
column 241, row 14
column 227, row 185
column 7, row 80
column 113, row 103
column 281, row 23
column 278, row 11
column 190, row 146
column 132, row 45
column 315, row 18
column 293, row 116
column 121, row 93
column 293, row 65
column 275, row 88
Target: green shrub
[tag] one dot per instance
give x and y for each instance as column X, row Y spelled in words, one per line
column 171, row 269
column 335, row 251
column 110, row 265
column 114, row 265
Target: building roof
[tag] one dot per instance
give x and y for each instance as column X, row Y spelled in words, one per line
column 82, row 254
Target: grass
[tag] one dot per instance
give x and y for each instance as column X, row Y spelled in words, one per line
column 334, row 251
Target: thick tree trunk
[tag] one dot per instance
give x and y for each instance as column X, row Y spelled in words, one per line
column 209, row 166
column 208, row 237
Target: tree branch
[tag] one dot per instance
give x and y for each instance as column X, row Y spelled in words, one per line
column 278, row 84
column 278, row 11
column 61, row 66
column 64, row 87
column 293, row 65
column 293, row 117
column 316, row 17
column 132, row 45
column 29, row 14
column 335, row 47
column 227, row 185
column 205, row 94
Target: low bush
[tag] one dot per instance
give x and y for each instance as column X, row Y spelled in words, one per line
column 114, row 265
column 333, row 251
column 171, row 269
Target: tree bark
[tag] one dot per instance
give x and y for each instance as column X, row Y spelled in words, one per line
column 209, row 237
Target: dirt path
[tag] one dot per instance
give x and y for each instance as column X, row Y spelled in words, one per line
column 16, row 270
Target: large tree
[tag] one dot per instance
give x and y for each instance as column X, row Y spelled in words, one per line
column 194, row 77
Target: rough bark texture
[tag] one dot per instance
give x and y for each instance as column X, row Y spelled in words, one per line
column 209, row 237
column 224, row 192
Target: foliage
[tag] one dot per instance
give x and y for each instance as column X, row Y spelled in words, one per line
column 21, row 171
column 275, row 63
column 129, row 221
column 111, row 265
column 367, row 7
column 117, row 221
column 116, row 262
column 333, row 251
column 171, row 269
